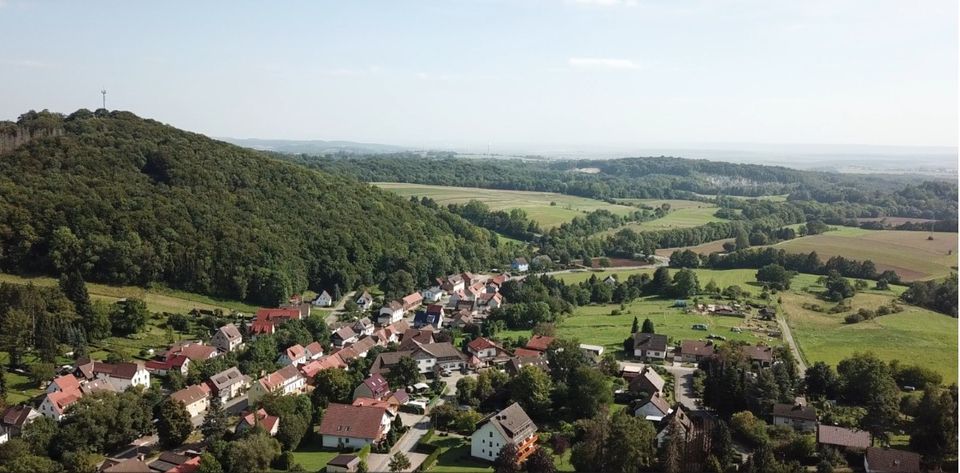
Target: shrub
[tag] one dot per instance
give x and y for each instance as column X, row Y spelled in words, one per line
column 853, row 318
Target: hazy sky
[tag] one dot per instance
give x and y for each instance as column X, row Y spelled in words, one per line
column 457, row 73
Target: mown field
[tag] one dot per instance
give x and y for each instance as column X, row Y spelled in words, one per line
column 914, row 335
column 537, row 205
column 910, row 254
column 157, row 299
column 683, row 214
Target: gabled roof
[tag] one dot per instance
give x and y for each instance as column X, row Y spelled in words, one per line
column 758, row 353
column 311, row 369
column 518, row 362
column 365, row 296
column 888, row 460
column 697, row 348
column 265, row 420
column 387, row 360
column 61, row 400
column 648, row 381
column 650, row 341
column 413, row 337
column 393, row 306
column 345, row 333
column 230, row 331
column 325, row 294
column 412, row 299
column 481, row 343
column 314, row 349
column 659, row 402
column 189, row 395
column 441, row 350
column 513, row 422
column 344, row 420
column 132, row 465
column 795, row 411
column 526, row 353
column 295, row 352
column 67, row 382
column 17, row 416
column 97, row 385
column 344, row 461
column 539, row 342
column 842, row 437
column 228, row 377
column 280, row 377
column 376, row 383
column 520, row 260
column 194, row 350
column 434, row 309
column 117, row 370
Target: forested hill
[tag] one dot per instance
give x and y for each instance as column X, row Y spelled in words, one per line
column 133, row 201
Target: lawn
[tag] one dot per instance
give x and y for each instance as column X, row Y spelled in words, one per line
column 158, row 299
column 311, row 457
column 910, row 254
column 683, row 214
column 915, row 335
column 537, row 205
column 456, row 456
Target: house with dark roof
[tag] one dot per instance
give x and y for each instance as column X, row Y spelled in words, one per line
column 17, row 417
column 520, row 264
column 387, row 360
column 343, row 463
column 228, row 384
column 227, row 338
column 437, row 357
column 798, row 416
column 759, row 355
column 131, row 465
column 509, row 426
column 324, row 299
column 431, row 318
column 664, row 431
column 348, row 426
column 363, row 326
column 120, row 375
column 374, row 387
column 888, row 460
column 412, row 338
column 650, row 345
column 649, row 382
column 364, row 301
column 841, row 437
column 654, row 409
column 694, row 351
column 344, row 336
column 452, row 283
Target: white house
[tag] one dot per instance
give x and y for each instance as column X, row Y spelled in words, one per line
column 654, row 409
column 67, row 382
column 323, row 300
column 796, row 416
column 347, row 426
column 365, row 301
column 229, row 383
column 286, row 380
column 120, row 375
column 227, row 338
column 650, row 345
column 390, row 313
column 433, row 294
column 194, row 399
column 520, row 264
column 55, row 404
column 294, row 355
column 511, row 425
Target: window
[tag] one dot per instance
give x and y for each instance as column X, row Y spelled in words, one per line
column 491, row 434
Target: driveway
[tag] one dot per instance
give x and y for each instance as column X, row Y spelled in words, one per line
column 683, row 385
column 788, row 336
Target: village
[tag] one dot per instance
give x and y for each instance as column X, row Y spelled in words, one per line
column 412, row 371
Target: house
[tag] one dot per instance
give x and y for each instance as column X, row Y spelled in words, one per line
column 885, row 460
column 323, row 300
column 491, row 300
column 343, row 463
column 390, row 404
column 759, row 355
column 390, row 313
column 593, row 352
column 313, row 351
column 798, row 416
column 653, row 409
column 365, row 301
column 515, row 364
column 344, row 336
column 267, row 319
column 374, row 387
column 194, row 398
column 411, row 301
column 387, row 360
column 520, row 264
column 363, row 326
column 412, row 338
column 179, row 357
column 452, row 283
column 649, row 345
column 228, row 384
column 310, row 370
column 441, row 356
column 55, row 404
column 461, row 319
column 648, row 381
column 768, row 313
column 694, row 351
column 286, row 380
column 539, row 343
column 161, row 367
column 610, row 280
column 67, row 382
column 683, row 420
column 483, row 349
column 347, row 426
column 527, row 353
column 17, row 417
column 432, row 294
column 172, row 462
column 132, row 465
column 295, row 355
column 432, row 317
column 841, row 437
column 511, row 425
column 120, row 375
column 271, row 424
column 227, row 338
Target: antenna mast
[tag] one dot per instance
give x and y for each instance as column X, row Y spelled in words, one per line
column 104, row 93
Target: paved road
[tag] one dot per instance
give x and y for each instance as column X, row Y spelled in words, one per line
column 788, row 336
column 333, row 316
column 683, row 385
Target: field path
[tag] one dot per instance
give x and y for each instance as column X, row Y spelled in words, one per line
column 788, row 336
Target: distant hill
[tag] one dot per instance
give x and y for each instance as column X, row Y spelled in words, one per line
column 314, row 146
column 133, row 201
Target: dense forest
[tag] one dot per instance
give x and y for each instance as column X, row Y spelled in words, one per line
column 657, row 177
column 126, row 200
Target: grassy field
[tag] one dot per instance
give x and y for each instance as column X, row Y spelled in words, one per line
column 311, row 457
column 157, row 299
column 683, row 214
column 456, row 456
column 915, row 335
column 537, row 205
column 910, row 254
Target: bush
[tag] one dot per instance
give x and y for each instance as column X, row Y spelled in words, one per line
column 749, row 428
column 853, row 318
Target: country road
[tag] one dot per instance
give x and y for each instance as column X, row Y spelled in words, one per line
column 788, row 336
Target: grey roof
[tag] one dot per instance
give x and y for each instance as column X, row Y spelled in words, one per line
column 513, row 422
column 650, row 341
column 795, row 411
column 442, row 350
column 227, row 378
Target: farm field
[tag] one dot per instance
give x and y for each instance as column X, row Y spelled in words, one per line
column 910, row 254
column 157, row 299
column 535, row 204
column 683, row 214
column 915, row 335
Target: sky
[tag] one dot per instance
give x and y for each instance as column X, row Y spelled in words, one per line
column 462, row 73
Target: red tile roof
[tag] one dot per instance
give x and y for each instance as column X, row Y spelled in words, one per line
column 539, row 342
column 67, row 382
column 524, row 352
column 480, row 344
column 267, row 421
column 892, row 461
column 311, row 369
column 344, row 420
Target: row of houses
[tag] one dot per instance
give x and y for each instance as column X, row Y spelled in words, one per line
column 89, row 377
column 654, row 346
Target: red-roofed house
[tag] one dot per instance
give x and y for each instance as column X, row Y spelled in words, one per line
column 314, row 351
column 267, row 319
column 485, row 351
column 346, row 426
column 311, row 369
column 67, row 382
column 195, row 398
column 526, row 353
column 412, row 301
column 294, row 355
column 286, row 380
column 270, row 423
column 55, row 404
column 539, row 343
